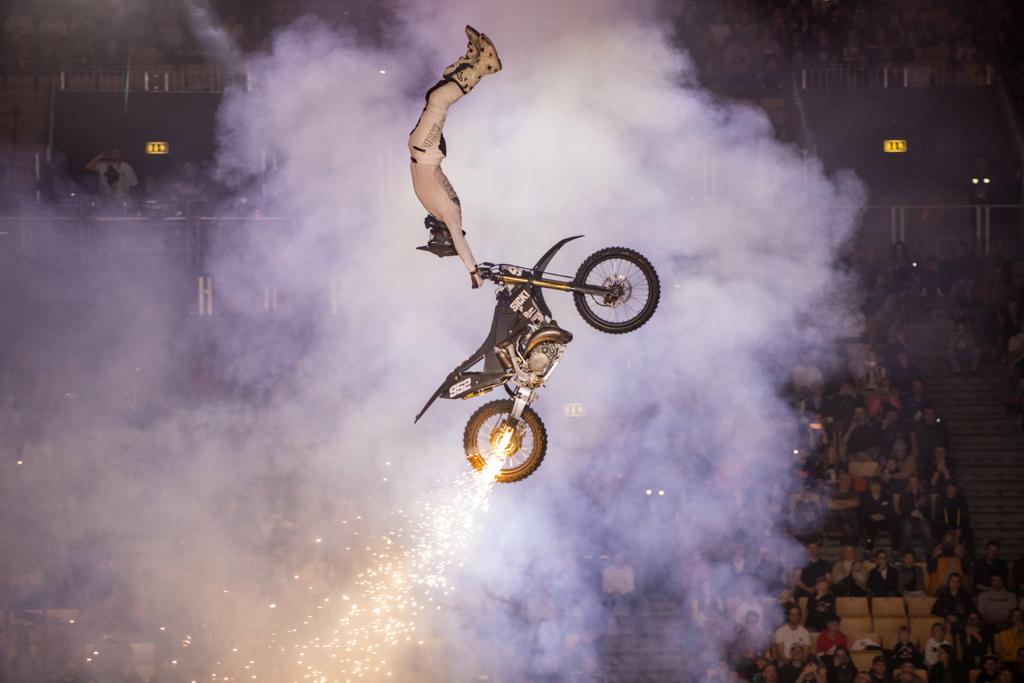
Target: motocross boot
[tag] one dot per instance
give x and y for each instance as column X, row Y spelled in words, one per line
column 440, row 243
column 468, row 75
column 472, row 52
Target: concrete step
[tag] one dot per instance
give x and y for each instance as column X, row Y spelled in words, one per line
column 1011, row 443
column 982, row 428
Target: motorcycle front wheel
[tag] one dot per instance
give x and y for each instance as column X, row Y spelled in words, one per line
column 635, row 290
column 521, row 449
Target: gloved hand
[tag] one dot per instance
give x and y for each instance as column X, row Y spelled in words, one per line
column 475, row 279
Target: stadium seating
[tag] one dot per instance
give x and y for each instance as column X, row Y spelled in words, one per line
column 921, row 628
column 852, row 607
column 886, row 627
column 888, row 607
column 920, row 606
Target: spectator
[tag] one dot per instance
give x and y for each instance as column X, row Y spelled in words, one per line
column 930, row 278
column 820, row 606
column 989, row 565
column 914, row 403
column 963, row 351
column 895, row 344
column 116, row 176
column 963, row 273
column 892, row 431
column 880, row 403
column 831, row 638
column 904, row 373
column 842, row 405
column 771, row 81
column 879, row 672
column 750, row 641
column 841, row 669
column 849, row 576
column 883, row 580
column 1010, row 641
column 953, row 601
column 951, row 513
column 945, row 670
column 22, row 667
column 903, row 650
column 862, row 436
column 937, row 640
column 947, row 558
column 996, row 604
column 900, row 466
column 975, row 641
column 827, row 467
column 1007, row 674
column 769, row 674
column 989, row 670
column 189, row 186
column 911, row 575
column 799, row 669
column 876, row 514
column 814, row 568
column 843, row 509
column 941, row 471
column 791, row 633
column 618, row 583
column 907, row 673
column 914, row 510
column 928, row 435
column 720, row 30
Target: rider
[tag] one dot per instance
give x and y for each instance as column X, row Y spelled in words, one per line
column 427, row 150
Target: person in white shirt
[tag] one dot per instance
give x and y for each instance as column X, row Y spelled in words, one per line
column 618, row 583
column 618, row 578
column 791, row 633
column 931, row 648
column 116, row 176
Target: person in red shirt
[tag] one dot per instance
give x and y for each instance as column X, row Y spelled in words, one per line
column 831, row 638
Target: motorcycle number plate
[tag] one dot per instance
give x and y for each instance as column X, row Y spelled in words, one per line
column 460, row 387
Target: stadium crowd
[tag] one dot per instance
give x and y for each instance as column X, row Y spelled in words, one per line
column 908, row 595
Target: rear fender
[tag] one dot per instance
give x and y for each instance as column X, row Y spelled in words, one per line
column 542, row 264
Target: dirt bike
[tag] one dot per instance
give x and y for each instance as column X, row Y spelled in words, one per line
column 616, row 290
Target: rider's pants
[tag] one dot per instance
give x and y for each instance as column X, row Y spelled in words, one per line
column 429, row 182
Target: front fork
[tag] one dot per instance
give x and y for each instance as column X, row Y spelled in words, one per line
column 524, row 396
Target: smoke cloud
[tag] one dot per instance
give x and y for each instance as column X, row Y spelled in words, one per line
column 597, row 125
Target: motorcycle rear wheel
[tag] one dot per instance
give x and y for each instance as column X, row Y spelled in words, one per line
column 527, row 450
column 632, row 275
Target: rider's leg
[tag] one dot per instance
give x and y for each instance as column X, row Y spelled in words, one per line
column 425, row 141
column 439, row 198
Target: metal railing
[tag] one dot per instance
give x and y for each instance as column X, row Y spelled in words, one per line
column 92, row 225
column 897, row 76
column 155, row 79
column 934, row 228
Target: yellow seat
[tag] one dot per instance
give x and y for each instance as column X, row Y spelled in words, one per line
column 920, row 606
column 855, row 627
column 888, row 607
column 852, row 607
column 973, row 675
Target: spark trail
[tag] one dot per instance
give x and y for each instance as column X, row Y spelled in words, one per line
column 407, row 575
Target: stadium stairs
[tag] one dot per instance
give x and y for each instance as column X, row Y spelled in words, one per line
column 986, row 445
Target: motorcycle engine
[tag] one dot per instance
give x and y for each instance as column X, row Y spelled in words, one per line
column 543, row 357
